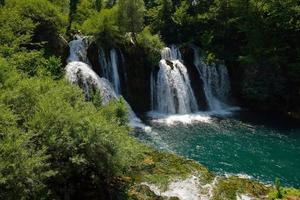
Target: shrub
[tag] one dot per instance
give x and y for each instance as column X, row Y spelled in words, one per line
column 23, row 170
column 103, row 26
column 152, row 45
column 57, row 144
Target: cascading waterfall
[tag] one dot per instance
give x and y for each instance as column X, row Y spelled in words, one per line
column 78, row 49
column 110, row 66
column 81, row 74
column 216, row 82
column 170, row 88
column 78, row 71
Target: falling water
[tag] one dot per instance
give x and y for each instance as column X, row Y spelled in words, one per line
column 171, row 89
column 110, row 66
column 216, row 82
column 81, row 73
column 78, row 49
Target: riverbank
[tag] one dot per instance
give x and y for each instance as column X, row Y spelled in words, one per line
column 168, row 176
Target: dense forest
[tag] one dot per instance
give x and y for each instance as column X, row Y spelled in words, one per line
column 56, row 145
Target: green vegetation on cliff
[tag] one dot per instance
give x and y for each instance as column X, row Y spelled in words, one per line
column 258, row 40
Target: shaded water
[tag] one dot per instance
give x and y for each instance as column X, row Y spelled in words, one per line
column 236, row 145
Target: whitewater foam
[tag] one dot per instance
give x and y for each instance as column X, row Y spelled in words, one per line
column 179, row 118
column 171, row 89
column 188, row 189
column 244, row 197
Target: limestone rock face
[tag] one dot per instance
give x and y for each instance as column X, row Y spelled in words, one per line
column 138, row 72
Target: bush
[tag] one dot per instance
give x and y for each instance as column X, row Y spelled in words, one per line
column 23, row 170
column 152, row 45
column 55, row 144
column 85, row 9
column 15, row 32
column 103, row 26
column 29, row 30
column 46, row 15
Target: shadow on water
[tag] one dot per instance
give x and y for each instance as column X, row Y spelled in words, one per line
column 267, row 119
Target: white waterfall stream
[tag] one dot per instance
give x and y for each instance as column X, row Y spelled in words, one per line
column 216, row 83
column 78, row 71
column 171, row 89
column 173, row 99
column 110, row 68
column 81, row 74
column 78, row 49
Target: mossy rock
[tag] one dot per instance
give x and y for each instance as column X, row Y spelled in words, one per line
column 228, row 188
column 138, row 192
column 162, row 168
column 287, row 194
column 143, row 192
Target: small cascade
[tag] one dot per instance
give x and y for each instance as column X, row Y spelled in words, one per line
column 170, row 87
column 78, row 49
column 78, row 71
column 216, row 82
column 110, row 68
column 81, row 74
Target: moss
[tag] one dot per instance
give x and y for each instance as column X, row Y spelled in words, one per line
column 162, row 168
column 142, row 192
column 227, row 188
column 288, row 194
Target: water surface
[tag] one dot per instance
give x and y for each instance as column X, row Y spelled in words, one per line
column 252, row 145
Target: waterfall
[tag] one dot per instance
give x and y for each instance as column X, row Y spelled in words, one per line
column 78, row 49
column 78, row 71
column 216, row 82
column 81, row 74
column 110, row 68
column 170, row 88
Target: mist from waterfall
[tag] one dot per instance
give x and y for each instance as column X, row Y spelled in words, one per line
column 110, row 68
column 216, row 83
column 170, row 88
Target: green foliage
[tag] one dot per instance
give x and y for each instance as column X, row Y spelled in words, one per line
column 54, row 68
column 257, row 35
column 103, row 26
column 160, row 18
column 72, row 12
column 44, row 14
column 31, row 30
column 131, row 15
column 85, row 9
column 63, row 5
column 231, row 187
column 287, row 193
column 278, row 188
column 62, row 144
column 23, row 169
column 15, row 32
column 152, row 45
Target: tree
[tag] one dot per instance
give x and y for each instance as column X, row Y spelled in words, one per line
column 131, row 15
column 72, row 12
column 98, row 5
